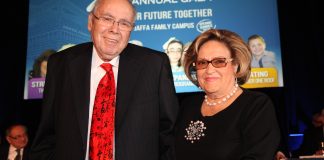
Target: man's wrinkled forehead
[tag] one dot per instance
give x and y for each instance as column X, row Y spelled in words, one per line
column 93, row 5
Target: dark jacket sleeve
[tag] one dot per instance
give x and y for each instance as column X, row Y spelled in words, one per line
column 168, row 111
column 44, row 142
column 311, row 141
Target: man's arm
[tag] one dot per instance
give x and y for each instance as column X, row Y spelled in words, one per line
column 168, row 111
column 44, row 143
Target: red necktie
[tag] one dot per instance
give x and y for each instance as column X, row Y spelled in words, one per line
column 102, row 125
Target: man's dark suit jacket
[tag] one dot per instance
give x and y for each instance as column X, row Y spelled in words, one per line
column 146, row 106
column 311, row 141
column 4, row 151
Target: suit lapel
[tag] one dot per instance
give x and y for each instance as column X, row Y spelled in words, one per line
column 80, row 71
column 80, row 68
column 128, row 73
column 25, row 154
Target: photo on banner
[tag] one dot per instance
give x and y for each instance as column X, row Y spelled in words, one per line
column 165, row 25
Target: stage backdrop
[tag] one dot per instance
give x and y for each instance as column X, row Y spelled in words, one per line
column 55, row 25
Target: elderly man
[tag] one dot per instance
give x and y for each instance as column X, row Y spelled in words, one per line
column 17, row 138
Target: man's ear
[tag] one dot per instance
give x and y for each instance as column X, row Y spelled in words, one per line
column 90, row 25
column 8, row 139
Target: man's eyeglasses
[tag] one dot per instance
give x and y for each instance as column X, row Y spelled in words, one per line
column 175, row 50
column 18, row 136
column 216, row 62
column 108, row 22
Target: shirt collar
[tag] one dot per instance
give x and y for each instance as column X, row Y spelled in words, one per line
column 13, row 149
column 97, row 61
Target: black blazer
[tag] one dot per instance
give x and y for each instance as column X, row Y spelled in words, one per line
column 311, row 141
column 146, row 106
column 4, row 151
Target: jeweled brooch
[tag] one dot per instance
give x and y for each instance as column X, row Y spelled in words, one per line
column 195, row 131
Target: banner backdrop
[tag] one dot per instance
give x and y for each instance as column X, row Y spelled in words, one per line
column 165, row 25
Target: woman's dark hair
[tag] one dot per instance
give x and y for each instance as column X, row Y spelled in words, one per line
column 36, row 72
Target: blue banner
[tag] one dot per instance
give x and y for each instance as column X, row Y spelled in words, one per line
column 160, row 24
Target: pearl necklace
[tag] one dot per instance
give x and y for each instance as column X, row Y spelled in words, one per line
column 223, row 100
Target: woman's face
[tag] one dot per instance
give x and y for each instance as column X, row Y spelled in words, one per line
column 43, row 69
column 215, row 80
column 174, row 52
column 257, row 47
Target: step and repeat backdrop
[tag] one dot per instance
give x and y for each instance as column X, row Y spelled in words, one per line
column 165, row 25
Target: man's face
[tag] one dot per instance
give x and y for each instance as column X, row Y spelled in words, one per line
column 110, row 41
column 18, row 137
column 318, row 119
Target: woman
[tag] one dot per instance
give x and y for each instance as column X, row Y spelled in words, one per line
column 174, row 51
column 226, row 121
column 40, row 64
